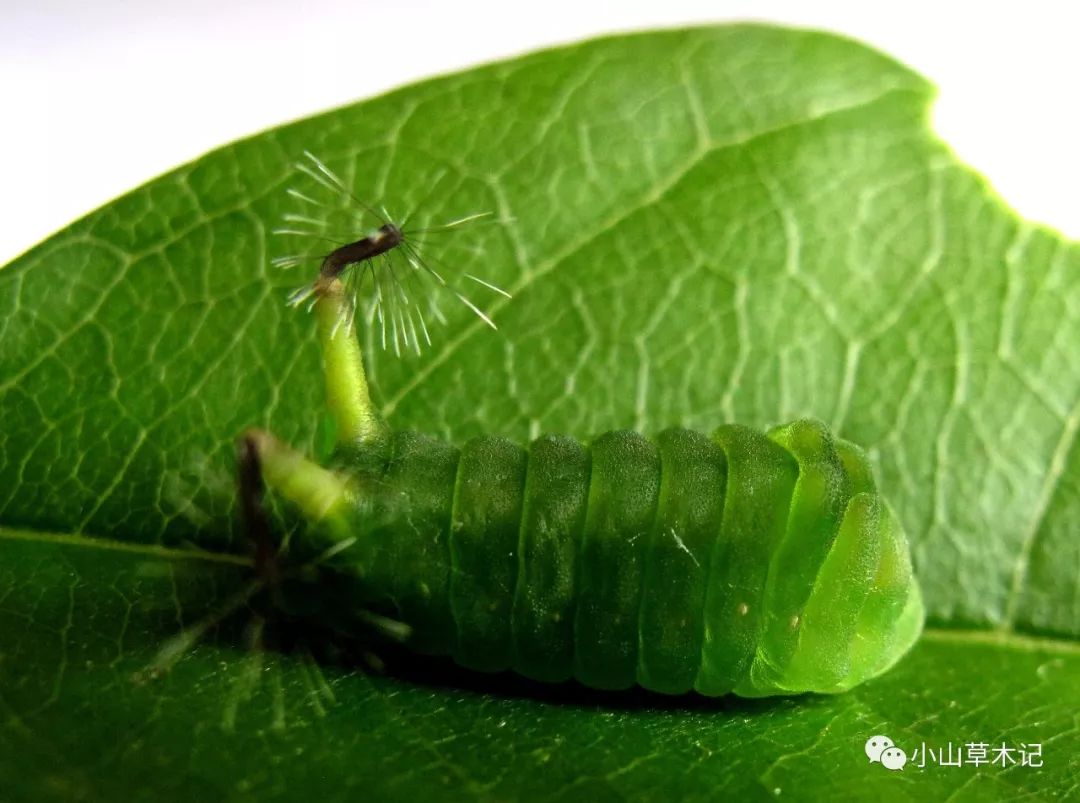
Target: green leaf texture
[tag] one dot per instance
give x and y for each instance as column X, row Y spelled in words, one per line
column 724, row 224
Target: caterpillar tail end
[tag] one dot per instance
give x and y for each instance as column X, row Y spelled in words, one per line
column 865, row 613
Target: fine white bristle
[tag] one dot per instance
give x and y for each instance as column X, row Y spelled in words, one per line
column 436, row 310
column 412, row 330
column 467, row 219
column 488, row 285
column 327, row 178
column 477, row 310
column 290, row 261
column 301, row 197
column 289, row 217
column 300, row 295
column 423, row 325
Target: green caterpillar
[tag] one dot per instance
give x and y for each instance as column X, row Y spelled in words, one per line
column 746, row 562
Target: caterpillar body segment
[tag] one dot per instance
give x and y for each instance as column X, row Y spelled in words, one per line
column 738, row 561
column 733, row 561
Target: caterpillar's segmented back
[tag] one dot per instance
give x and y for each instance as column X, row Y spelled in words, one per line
column 737, row 561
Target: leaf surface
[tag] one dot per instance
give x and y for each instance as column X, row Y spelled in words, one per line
column 724, row 224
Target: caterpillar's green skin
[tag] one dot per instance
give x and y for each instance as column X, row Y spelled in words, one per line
column 743, row 562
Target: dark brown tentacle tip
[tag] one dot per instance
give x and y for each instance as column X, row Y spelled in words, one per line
column 252, row 491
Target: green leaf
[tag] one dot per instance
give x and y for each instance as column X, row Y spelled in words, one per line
column 738, row 223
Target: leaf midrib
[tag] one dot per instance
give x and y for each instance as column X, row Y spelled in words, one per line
column 112, row 545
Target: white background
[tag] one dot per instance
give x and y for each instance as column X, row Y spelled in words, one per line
column 98, row 96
